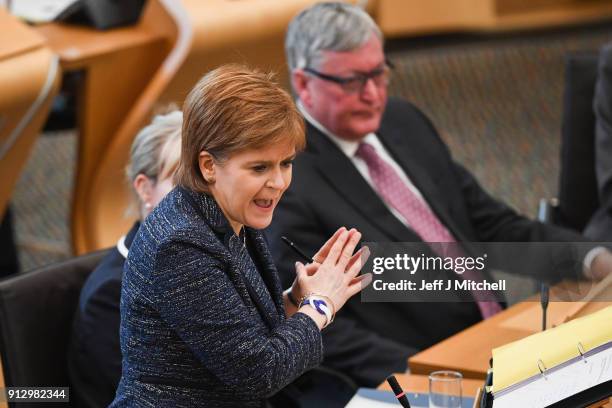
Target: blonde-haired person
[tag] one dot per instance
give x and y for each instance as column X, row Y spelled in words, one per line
column 204, row 321
column 94, row 354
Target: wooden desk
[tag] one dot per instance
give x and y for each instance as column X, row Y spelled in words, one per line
column 469, row 351
column 420, row 384
column 18, row 38
column 78, row 46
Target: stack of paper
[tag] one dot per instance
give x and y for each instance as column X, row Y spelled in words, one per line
column 548, row 367
column 370, row 398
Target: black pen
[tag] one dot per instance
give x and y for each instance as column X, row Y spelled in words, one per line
column 397, row 390
column 297, row 250
column 544, row 299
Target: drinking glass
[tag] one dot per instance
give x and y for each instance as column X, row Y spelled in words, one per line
column 445, row 389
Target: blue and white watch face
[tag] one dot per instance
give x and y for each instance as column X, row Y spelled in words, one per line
column 319, row 305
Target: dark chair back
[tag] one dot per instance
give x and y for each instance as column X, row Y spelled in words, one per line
column 578, row 198
column 36, row 313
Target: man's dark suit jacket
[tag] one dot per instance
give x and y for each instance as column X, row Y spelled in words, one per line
column 94, row 358
column 600, row 226
column 368, row 341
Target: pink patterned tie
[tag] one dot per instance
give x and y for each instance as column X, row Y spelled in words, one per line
column 422, row 220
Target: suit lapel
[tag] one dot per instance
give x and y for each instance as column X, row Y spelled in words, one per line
column 234, row 258
column 244, row 267
column 352, row 187
column 267, row 269
column 232, row 250
column 346, row 179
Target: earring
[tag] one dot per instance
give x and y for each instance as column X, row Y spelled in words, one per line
column 148, row 206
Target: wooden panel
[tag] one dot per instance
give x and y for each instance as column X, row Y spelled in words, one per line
column 521, row 6
column 16, row 37
column 411, row 17
column 110, row 198
column 418, row 17
column 112, row 85
column 259, row 41
column 118, row 65
column 564, row 14
column 77, row 45
column 22, row 80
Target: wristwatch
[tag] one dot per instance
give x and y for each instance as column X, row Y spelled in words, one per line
column 319, row 304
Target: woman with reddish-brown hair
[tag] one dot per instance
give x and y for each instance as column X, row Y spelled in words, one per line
column 203, row 319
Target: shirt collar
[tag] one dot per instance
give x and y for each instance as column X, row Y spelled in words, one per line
column 348, row 147
column 124, row 243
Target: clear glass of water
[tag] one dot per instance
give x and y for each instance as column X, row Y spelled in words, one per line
column 445, row 389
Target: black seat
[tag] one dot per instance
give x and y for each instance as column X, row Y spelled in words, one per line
column 36, row 313
column 578, row 198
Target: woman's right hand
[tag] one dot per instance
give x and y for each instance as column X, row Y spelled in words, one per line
column 337, row 276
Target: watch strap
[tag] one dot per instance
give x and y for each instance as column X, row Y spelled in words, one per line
column 320, row 305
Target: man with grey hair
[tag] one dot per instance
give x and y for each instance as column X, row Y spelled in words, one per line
column 377, row 164
column 326, row 35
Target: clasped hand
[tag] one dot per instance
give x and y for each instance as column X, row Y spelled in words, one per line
column 335, row 272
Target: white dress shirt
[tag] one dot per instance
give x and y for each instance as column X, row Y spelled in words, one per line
column 349, row 148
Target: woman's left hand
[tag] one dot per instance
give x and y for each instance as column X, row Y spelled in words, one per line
column 318, row 259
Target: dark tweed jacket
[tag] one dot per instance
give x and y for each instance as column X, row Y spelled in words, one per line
column 202, row 323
